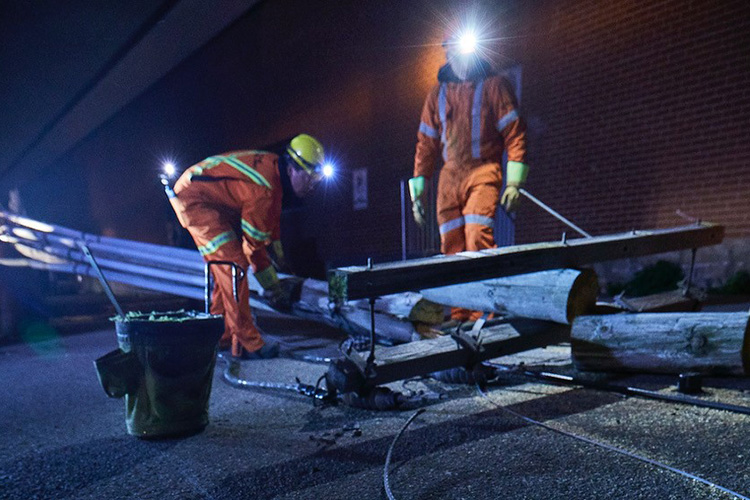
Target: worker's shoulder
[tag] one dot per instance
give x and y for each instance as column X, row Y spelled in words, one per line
column 249, row 152
column 497, row 79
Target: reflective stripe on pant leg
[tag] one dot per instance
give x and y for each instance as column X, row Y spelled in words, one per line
column 478, row 213
column 451, row 225
column 452, row 239
column 449, row 217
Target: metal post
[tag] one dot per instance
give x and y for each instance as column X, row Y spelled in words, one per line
column 102, row 279
column 371, row 358
column 689, row 282
column 207, row 287
column 403, row 219
column 553, row 213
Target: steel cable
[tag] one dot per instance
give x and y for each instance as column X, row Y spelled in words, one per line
column 611, row 447
column 386, row 481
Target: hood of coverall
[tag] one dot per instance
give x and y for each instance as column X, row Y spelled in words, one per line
column 481, row 69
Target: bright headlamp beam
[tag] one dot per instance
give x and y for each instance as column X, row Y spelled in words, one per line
column 467, row 43
column 169, row 168
column 327, row 170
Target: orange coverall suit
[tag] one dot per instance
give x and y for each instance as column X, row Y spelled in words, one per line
column 239, row 190
column 470, row 123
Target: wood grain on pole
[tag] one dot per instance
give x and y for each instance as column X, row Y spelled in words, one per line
column 705, row 342
column 558, row 295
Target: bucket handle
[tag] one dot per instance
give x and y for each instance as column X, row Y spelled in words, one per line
column 237, row 275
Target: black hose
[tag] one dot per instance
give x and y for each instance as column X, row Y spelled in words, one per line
column 628, row 391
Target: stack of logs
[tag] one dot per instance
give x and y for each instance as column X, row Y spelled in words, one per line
column 634, row 335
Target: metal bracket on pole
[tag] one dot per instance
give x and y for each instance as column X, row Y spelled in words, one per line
column 689, row 282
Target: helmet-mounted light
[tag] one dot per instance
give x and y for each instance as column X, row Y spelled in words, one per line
column 464, row 42
column 328, row 170
column 467, row 43
column 169, row 168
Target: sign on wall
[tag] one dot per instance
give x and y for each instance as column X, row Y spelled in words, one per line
column 359, row 188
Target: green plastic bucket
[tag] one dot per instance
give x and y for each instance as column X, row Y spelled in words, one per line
column 164, row 368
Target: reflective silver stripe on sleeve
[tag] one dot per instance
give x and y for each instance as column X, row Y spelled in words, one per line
column 428, row 131
column 505, row 120
column 476, row 121
column 479, row 219
column 451, row 225
column 441, row 111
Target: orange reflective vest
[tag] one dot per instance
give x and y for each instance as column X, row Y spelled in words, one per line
column 244, row 187
column 474, row 121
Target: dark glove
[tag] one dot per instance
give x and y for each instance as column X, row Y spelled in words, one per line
column 278, row 297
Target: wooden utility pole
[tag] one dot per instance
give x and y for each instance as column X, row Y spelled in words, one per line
column 558, row 295
column 715, row 343
column 359, row 282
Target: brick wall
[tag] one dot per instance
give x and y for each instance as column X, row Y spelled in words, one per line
column 636, row 109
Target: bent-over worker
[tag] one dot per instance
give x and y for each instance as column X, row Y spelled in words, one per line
column 231, row 205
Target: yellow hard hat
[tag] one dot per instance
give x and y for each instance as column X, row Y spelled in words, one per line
column 307, row 153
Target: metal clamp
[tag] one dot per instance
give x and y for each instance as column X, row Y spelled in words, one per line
column 471, row 341
column 365, row 366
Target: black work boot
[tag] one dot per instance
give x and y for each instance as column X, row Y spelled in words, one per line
column 268, row 351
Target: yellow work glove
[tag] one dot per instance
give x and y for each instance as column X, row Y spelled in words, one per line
column 416, row 189
column 516, row 176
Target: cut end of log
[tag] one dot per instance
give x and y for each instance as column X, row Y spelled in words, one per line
column 583, row 293
column 337, row 287
column 426, row 311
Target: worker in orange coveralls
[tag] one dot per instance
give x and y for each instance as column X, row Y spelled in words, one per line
column 243, row 190
column 469, row 118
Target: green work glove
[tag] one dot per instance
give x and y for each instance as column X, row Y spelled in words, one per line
column 267, row 278
column 279, row 260
column 516, row 176
column 510, row 199
column 416, row 189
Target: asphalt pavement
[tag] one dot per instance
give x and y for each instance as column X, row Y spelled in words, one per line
column 519, row 438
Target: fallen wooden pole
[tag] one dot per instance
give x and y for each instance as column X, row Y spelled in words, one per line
column 558, row 295
column 407, row 306
column 357, row 282
column 712, row 343
column 351, row 373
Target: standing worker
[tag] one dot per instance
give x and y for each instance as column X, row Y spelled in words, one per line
column 470, row 117
column 242, row 190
